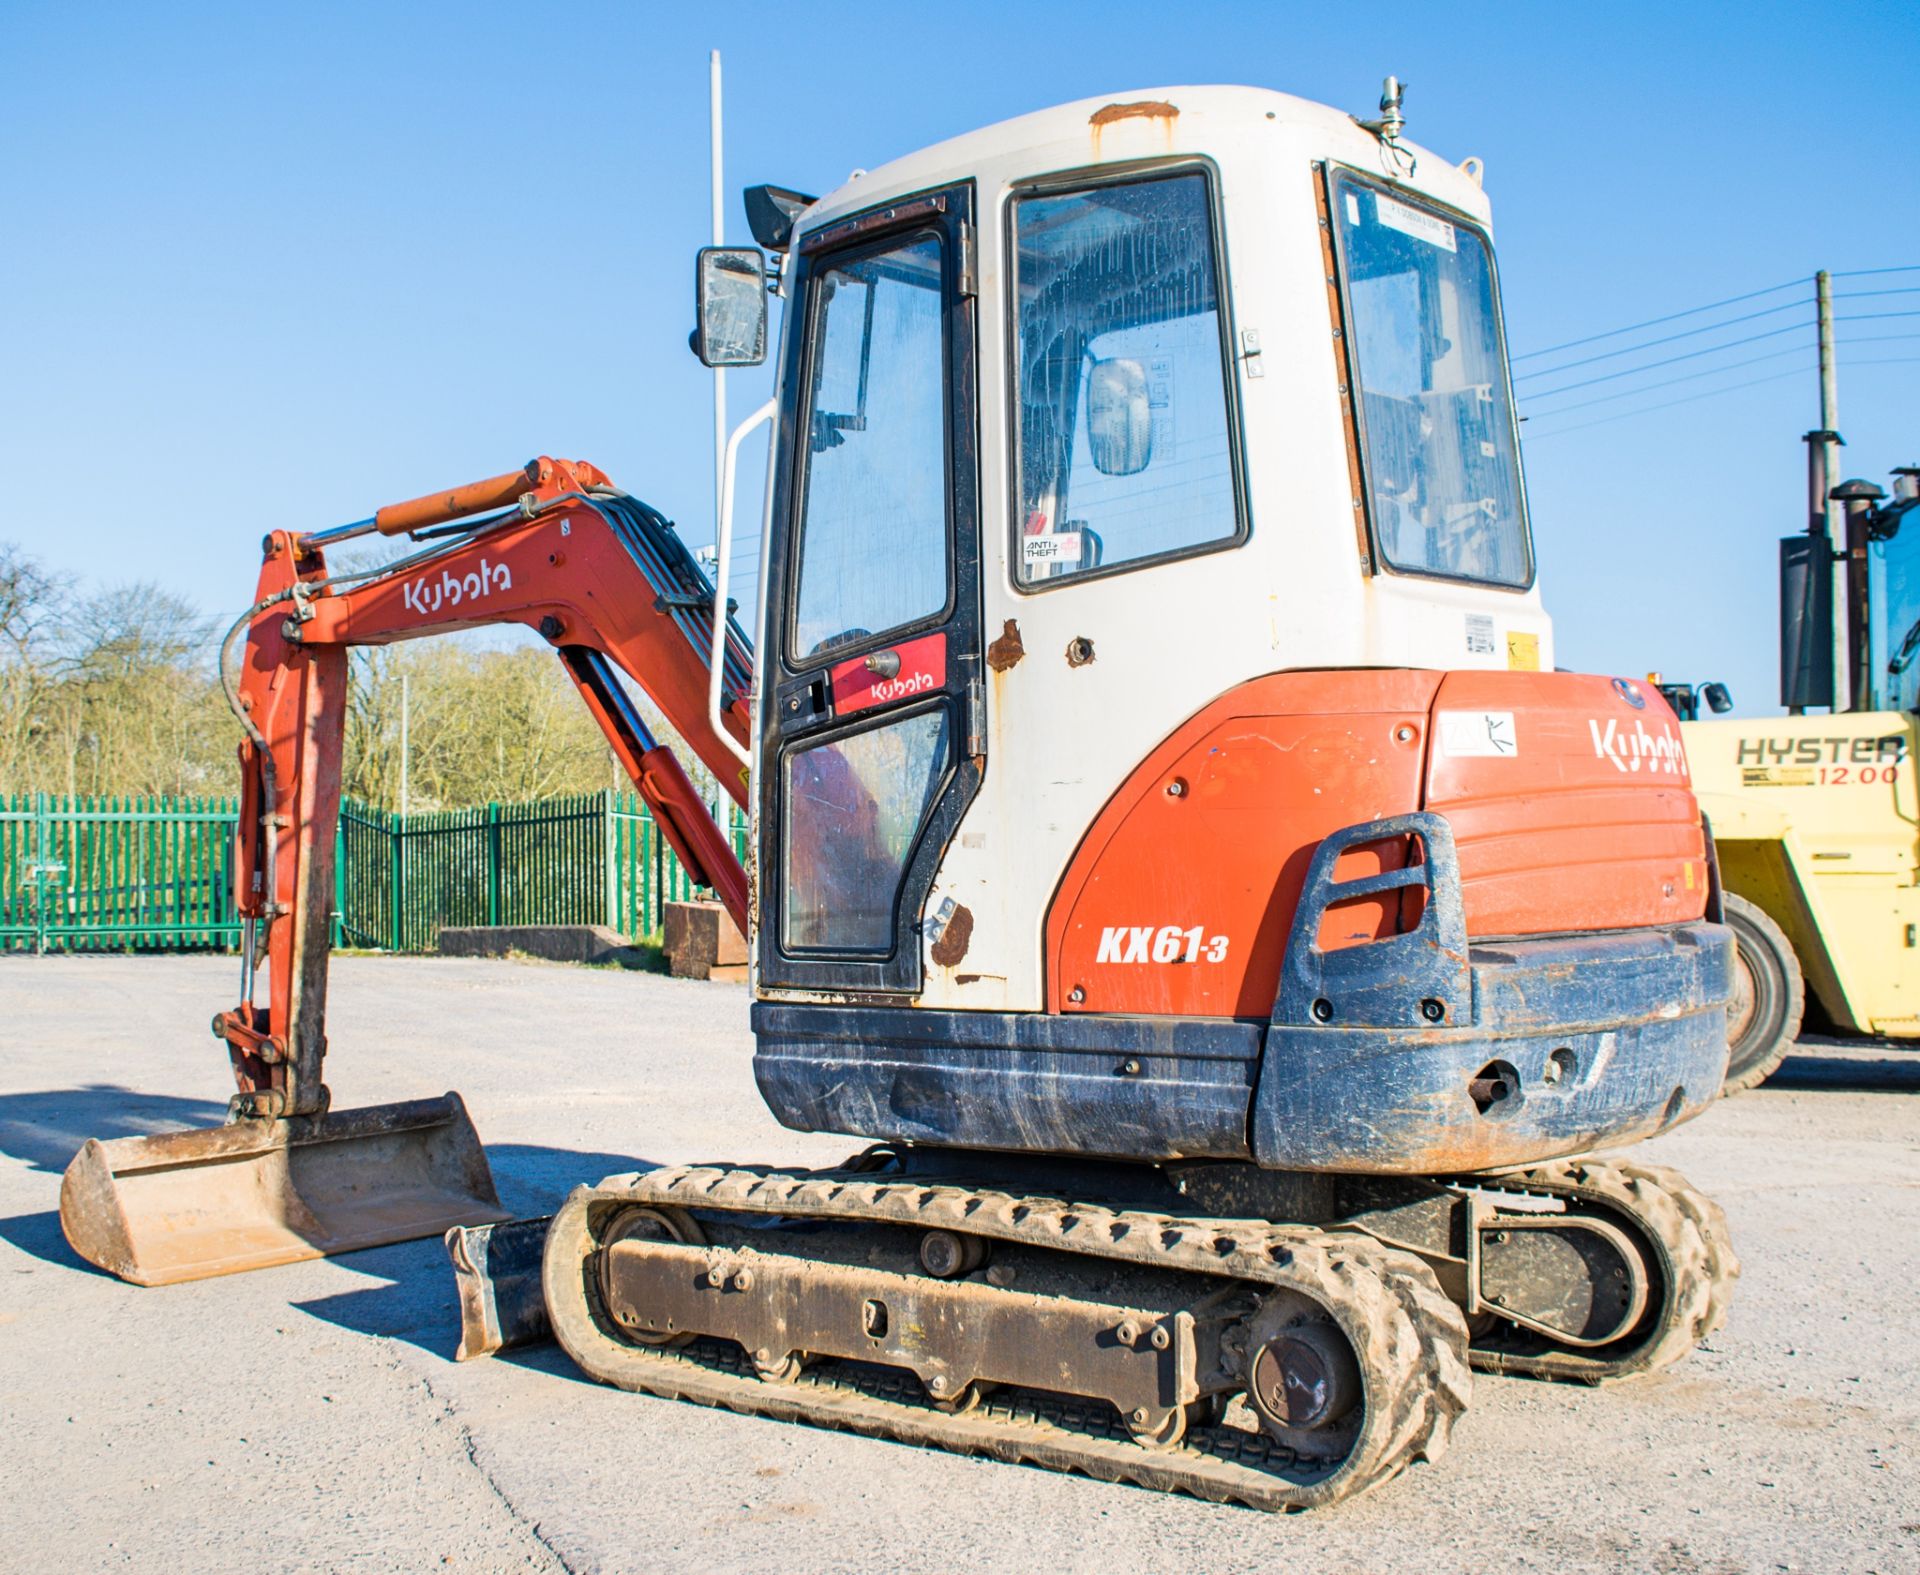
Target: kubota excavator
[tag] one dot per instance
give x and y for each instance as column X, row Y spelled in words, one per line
column 1175, row 850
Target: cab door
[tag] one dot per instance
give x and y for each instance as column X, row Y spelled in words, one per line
column 872, row 727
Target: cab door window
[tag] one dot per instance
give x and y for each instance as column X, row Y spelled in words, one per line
column 854, row 807
column 873, row 526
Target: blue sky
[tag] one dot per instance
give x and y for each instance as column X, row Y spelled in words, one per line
column 275, row 265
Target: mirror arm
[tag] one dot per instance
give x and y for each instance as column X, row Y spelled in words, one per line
column 723, row 545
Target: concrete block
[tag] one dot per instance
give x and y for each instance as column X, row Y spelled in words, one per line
column 575, row 943
column 703, row 942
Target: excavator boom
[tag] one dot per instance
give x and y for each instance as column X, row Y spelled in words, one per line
column 606, row 581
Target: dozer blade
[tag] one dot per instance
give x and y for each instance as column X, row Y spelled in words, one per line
column 496, row 1269
column 221, row 1200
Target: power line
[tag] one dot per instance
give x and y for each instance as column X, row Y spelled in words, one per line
column 1713, row 371
column 1685, row 377
column 1711, row 393
column 1861, row 273
column 1691, row 355
column 1671, row 317
column 1686, row 399
column 1649, row 344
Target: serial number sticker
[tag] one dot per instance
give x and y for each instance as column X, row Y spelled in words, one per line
column 1480, row 634
column 1465, row 734
column 1060, row 547
column 1411, row 221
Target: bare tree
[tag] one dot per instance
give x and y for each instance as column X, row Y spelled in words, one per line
column 32, row 603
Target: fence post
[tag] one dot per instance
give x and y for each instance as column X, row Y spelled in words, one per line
column 610, row 865
column 335, row 927
column 40, row 874
column 493, row 863
column 396, row 877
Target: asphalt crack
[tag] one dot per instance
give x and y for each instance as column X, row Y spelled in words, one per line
column 468, row 1444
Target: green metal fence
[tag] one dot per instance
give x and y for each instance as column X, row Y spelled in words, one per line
column 114, row 873
column 93, row 874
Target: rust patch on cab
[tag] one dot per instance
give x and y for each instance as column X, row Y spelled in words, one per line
column 952, row 945
column 1006, row 651
column 1145, row 109
column 1152, row 110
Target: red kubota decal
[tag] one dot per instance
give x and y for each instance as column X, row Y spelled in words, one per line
column 865, row 681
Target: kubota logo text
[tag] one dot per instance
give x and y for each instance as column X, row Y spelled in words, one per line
column 897, row 688
column 1639, row 748
column 427, row 597
column 1140, row 943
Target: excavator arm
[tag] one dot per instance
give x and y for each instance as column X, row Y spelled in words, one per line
column 599, row 575
column 602, row 578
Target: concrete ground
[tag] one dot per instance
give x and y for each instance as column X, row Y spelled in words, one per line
column 309, row 1417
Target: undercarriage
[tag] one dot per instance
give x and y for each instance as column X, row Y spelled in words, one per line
column 1280, row 1340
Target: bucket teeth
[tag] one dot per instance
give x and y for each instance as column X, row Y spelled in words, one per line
column 222, row 1200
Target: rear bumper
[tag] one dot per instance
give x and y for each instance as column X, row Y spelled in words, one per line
column 1560, row 1025
column 1418, row 1053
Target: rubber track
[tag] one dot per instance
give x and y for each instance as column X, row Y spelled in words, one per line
column 1410, row 1339
column 1694, row 1258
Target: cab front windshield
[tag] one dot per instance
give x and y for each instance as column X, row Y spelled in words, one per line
column 1436, row 419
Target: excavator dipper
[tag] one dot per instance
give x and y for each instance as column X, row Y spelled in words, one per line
column 1175, row 850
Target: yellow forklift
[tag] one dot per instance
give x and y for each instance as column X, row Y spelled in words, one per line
column 1817, row 816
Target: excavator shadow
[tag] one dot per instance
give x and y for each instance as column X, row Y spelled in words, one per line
column 46, row 1127
column 417, row 1301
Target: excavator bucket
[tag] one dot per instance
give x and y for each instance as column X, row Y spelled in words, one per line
column 221, row 1200
column 496, row 1269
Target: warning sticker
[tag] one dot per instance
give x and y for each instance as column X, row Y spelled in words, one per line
column 1480, row 634
column 1411, row 221
column 1469, row 733
column 1523, row 652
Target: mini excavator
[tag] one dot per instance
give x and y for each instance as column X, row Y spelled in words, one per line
column 1176, row 854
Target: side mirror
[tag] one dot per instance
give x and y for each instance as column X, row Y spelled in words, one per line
column 1719, row 700
column 1119, row 417
column 731, row 285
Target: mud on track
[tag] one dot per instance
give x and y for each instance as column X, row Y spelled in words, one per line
column 310, row 1417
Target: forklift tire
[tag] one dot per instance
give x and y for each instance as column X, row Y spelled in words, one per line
column 1769, row 997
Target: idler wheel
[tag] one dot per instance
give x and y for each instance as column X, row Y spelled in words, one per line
column 646, row 1224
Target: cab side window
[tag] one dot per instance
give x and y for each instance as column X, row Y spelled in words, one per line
column 1126, row 450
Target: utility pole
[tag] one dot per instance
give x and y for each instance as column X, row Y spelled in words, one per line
column 1830, row 426
column 719, row 239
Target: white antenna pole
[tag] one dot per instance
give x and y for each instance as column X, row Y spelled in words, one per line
column 406, row 706
column 719, row 239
